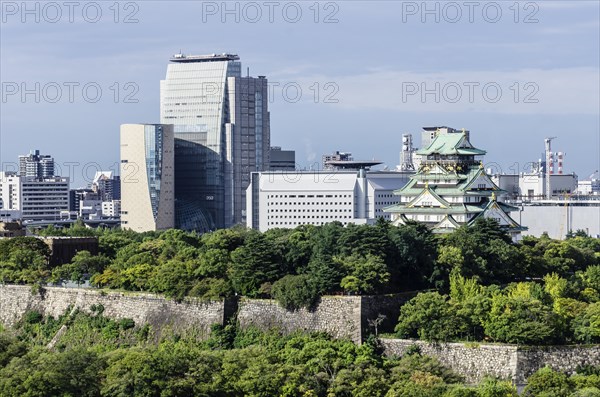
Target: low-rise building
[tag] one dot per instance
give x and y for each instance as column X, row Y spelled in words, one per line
column 111, row 209
column 284, row 200
column 36, row 198
column 11, row 229
column 282, row 160
column 589, row 187
column 63, row 249
column 532, row 186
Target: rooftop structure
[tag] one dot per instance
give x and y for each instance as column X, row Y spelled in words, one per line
column 182, row 58
column 335, row 156
column 352, row 164
column 282, row 160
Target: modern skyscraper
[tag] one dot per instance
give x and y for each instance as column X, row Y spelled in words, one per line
column 36, row 165
column 147, row 170
column 222, row 134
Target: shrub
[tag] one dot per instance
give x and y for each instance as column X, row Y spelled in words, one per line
column 33, row 317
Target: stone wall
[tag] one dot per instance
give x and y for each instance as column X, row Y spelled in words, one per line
column 474, row 361
column 159, row 312
column 386, row 305
column 561, row 358
column 340, row 316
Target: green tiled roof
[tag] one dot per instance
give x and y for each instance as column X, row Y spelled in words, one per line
column 455, row 209
column 448, row 144
column 441, row 177
column 434, row 194
column 460, row 189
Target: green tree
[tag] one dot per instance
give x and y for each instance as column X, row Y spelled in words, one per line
column 83, row 266
column 521, row 320
column 365, row 274
column 294, row 292
column 71, row 373
column 491, row 387
column 411, row 261
column 428, row 316
column 586, row 325
column 487, row 253
column 253, row 264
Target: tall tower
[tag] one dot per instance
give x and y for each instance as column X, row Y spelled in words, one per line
column 148, row 188
column 222, row 133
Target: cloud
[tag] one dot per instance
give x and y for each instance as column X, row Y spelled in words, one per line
column 526, row 91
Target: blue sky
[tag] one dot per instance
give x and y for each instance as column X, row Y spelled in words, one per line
column 512, row 73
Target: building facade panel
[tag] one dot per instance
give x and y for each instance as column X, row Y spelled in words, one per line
column 147, row 170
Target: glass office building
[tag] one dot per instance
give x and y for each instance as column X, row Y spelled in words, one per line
column 217, row 135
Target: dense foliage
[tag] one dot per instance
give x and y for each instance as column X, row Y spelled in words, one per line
column 96, row 356
column 332, row 259
column 557, row 310
column 482, row 285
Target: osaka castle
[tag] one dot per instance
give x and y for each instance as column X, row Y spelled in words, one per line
column 451, row 188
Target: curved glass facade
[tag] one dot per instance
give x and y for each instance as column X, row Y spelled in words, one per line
column 153, row 144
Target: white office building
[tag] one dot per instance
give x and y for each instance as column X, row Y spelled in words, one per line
column 287, row 200
column 532, row 186
column 111, row 209
column 37, row 199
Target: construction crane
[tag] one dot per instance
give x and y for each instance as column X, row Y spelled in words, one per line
column 548, row 142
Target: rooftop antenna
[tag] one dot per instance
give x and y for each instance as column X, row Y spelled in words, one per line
column 248, row 71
